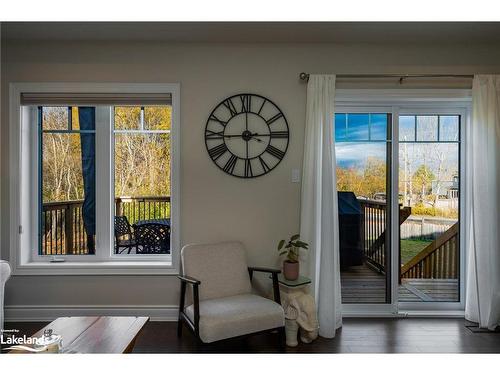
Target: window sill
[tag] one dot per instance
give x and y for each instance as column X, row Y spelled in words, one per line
column 97, row 268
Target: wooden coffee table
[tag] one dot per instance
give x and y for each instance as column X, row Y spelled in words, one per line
column 97, row 334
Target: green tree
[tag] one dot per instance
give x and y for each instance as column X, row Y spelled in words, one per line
column 374, row 177
column 422, row 180
column 364, row 182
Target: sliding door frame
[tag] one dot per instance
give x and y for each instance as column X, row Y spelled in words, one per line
column 387, row 308
column 396, row 102
column 424, row 308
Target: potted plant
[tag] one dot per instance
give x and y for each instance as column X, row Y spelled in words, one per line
column 291, row 249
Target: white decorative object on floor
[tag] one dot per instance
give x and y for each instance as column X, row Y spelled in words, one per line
column 291, row 331
column 4, row 276
column 300, row 310
column 483, row 204
column 319, row 224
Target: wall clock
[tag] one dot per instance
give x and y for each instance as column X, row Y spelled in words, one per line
column 247, row 135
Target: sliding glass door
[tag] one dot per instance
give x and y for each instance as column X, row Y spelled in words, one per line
column 399, row 186
column 362, row 147
column 429, row 192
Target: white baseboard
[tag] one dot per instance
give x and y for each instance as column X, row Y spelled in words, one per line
column 41, row 313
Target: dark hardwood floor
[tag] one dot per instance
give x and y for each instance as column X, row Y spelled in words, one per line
column 381, row 335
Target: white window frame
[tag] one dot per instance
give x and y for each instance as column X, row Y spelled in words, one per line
column 396, row 102
column 24, row 226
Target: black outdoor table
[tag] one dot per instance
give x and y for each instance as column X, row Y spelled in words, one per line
column 152, row 236
column 153, row 221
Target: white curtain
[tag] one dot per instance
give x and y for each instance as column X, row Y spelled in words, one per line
column 319, row 211
column 483, row 204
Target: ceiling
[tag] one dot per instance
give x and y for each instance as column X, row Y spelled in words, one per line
column 256, row 32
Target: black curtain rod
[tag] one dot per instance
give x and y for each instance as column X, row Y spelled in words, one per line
column 305, row 76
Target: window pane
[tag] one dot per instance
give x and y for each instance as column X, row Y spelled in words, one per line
column 429, row 194
column 357, row 126
column 378, row 127
column 363, row 211
column 55, row 118
column 142, row 193
column 340, row 127
column 67, row 186
column 427, row 128
column 127, row 118
column 448, row 128
column 157, row 118
column 407, row 128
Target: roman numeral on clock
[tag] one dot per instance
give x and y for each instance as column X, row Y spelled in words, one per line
column 228, row 103
column 230, row 164
column 277, row 116
column 280, row 134
column 217, row 151
column 216, row 119
column 246, row 103
column 265, row 167
column 248, row 168
column 277, row 153
column 209, row 134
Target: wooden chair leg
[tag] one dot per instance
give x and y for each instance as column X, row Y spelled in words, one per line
column 282, row 337
column 179, row 328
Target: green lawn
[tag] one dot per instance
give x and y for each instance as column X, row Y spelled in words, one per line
column 410, row 248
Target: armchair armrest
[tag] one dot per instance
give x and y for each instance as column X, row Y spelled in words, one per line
column 196, row 301
column 264, row 269
column 189, row 280
column 274, row 275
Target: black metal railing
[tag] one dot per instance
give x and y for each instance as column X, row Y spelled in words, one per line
column 63, row 230
column 373, row 229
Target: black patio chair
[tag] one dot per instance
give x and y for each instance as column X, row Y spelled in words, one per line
column 124, row 237
column 152, row 238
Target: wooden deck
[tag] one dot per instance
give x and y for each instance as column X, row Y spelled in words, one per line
column 361, row 284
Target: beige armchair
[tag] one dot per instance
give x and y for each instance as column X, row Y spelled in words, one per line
column 4, row 276
column 223, row 305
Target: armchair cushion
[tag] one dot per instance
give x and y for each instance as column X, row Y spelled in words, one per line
column 221, row 268
column 236, row 315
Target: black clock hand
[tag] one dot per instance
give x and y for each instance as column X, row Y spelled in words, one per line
column 246, row 128
column 255, row 139
column 237, row 135
column 241, row 135
column 261, row 135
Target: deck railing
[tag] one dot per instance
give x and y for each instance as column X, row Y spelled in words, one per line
column 142, row 208
column 439, row 260
column 63, row 230
column 374, row 228
column 374, row 218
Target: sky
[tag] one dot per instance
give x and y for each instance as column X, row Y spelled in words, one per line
column 360, row 136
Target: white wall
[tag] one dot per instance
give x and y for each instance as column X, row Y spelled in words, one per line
column 214, row 206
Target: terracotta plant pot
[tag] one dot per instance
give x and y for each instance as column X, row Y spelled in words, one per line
column 291, row 270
